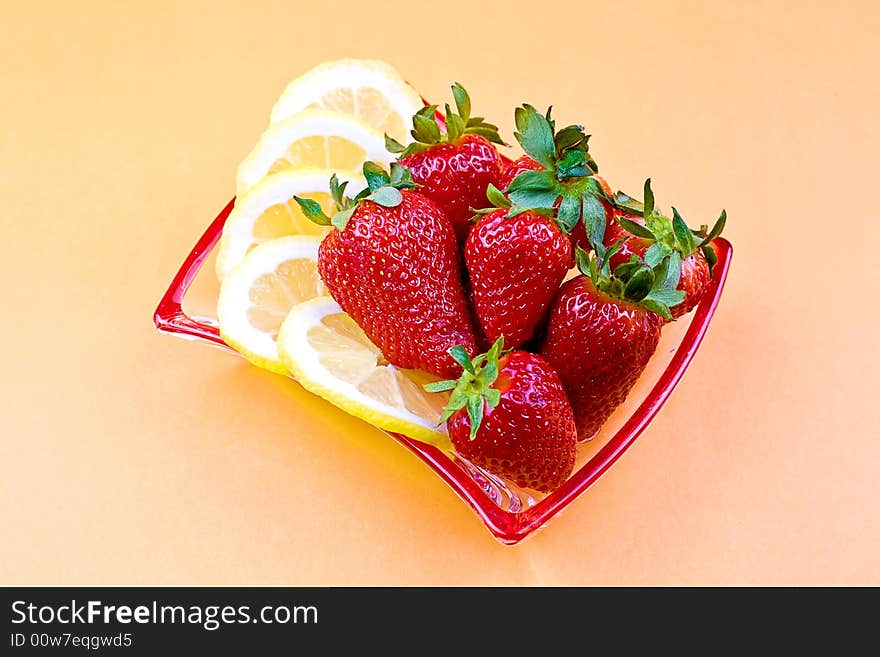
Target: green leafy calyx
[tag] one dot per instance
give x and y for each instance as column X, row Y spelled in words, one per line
column 565, row 188
column 566, row 153
column 426, row 131
column 667, row 235
column 383, row 187
column 474, row 386
column 652, row 287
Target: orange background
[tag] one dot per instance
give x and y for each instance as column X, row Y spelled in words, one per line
column 130, row 457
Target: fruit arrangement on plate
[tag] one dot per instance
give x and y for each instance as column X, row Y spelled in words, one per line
column 389, row 256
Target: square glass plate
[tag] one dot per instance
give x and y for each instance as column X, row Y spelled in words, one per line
column 188, row 310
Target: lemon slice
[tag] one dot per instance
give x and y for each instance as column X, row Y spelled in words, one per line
column 369, row 89
column 313, row 138
column 257, row 294
column 328, row 353
column 267, row 211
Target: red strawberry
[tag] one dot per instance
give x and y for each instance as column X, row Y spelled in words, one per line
column 558, row 172
column 453, row 168
column 392, row 263
column 650, row 237
column 515, row 265
column 602, row 331
column 508, row 413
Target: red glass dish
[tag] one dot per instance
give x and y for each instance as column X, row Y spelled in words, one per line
column 509, row 513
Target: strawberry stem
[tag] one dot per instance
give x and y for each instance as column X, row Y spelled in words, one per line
column 474, row 386
column 567, row 176
column 664, row 234
column 426, row 132
column 653, row 287
column 383, row 187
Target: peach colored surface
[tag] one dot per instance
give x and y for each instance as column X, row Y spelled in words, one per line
column 128, row 457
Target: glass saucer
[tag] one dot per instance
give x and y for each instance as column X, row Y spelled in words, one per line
column 188, row 310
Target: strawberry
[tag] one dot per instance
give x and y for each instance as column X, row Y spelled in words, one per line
column 454, row 167
column 391, row 262
column 508, row 413
column 602, row 330
column 558, row 173
column 652, row 237
column 516, row 264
